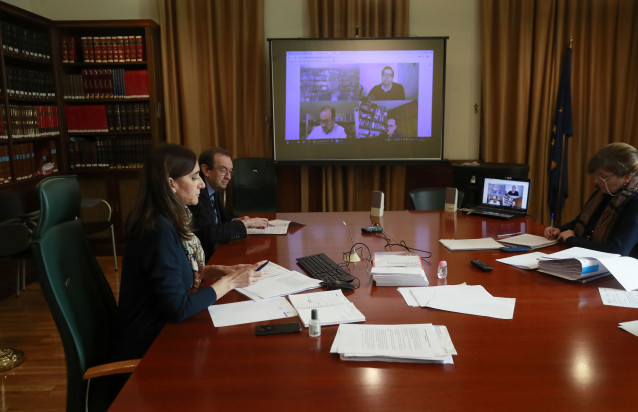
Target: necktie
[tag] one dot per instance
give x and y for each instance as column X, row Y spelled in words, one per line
column 212, row 201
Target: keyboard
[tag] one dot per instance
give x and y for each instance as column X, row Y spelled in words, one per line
column 321, row 267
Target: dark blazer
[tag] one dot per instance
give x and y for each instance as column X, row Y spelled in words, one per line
column 156, row 280
column 210, row 233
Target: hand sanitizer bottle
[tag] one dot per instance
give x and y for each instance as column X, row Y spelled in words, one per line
column 314, row 328
column 442, row 270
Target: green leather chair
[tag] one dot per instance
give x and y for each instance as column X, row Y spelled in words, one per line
column 78, row 295
column 431, row 198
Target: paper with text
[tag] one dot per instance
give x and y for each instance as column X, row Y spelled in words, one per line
column 250, row 311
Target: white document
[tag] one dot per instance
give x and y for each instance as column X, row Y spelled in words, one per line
column 278, row 281
column 524, row 261
column 409, row 298
column 485, row 243
column 631, row 327
column 275, row 227
column 624, row 269
column 398, row 269
column 578, row 252
column 396, row 259
column 332, row 305
column 467, row 299
column 617, row 297
column 250, row 311
column 398, row 343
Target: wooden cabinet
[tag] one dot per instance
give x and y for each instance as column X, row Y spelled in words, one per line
column 79, row 97
column 30, row 135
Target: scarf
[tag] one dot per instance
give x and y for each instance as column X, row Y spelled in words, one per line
column 609, row 215
column 195, row 255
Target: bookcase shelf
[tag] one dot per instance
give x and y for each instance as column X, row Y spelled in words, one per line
column 37, row 135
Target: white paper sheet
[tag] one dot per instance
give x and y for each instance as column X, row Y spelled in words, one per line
column 617, row 297
column 275, row 227
column 524, row 261
column 624, row 269
column 250, row 311
column 631, row 327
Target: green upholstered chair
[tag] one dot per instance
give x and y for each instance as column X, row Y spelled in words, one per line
column 254, row 186
column 78, row 295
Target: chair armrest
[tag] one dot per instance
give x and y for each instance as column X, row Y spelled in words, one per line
column 127, row 366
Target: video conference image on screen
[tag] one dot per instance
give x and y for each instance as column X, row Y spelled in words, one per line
column 357, row 100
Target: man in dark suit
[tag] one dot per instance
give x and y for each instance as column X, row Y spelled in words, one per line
column 211, row 222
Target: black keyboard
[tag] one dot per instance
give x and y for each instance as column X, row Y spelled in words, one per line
column 321, row 267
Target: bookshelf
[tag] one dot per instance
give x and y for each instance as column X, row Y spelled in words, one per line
column 111, row 92
column 30, row 134
column 370, row 119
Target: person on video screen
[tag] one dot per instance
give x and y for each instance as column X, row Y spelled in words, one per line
column 328, row 129
column 494, row 201
column 333, row 93
column 387, row 90
column 391, row 128
column 513, row 192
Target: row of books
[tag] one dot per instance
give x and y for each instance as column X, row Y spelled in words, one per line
column 29, row 83
column 24, row 41
column 115, row 117
column 4, row 131
column 33, row 121
column 106, row 83
column 103, row 49
column 109, row 152
column 29, row 160
column 5, row 167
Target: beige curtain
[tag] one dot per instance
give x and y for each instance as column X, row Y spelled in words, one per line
column 213, row 62
column 350, row 187
column 524, row 44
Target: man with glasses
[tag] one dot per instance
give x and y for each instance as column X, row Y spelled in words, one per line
column 327, row 128
column 387, row 89
column 211, row 222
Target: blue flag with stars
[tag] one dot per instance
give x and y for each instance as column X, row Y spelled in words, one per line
column 561, row 132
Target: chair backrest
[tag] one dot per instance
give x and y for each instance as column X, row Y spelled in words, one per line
column 78, row 294
column 428, row 198
column 254, row 186
column 10, row 206
column 59, row 201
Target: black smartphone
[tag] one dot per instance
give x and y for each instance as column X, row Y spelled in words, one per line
column 277, row 328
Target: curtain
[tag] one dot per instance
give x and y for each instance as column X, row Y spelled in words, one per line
column 345, row 188
column 213, row 63
column 524, row 45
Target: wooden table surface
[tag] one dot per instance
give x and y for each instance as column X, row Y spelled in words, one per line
column 563, row 349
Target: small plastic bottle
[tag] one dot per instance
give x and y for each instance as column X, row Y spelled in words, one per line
column 314, row 328
column 442, row 270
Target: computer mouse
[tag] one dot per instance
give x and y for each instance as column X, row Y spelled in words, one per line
column 338, row 284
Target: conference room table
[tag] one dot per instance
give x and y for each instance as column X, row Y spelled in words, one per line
column 563, row 349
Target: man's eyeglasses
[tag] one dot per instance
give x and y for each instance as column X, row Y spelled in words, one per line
column 223, row 171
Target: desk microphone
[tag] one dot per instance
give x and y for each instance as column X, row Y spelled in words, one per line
column 352, row 256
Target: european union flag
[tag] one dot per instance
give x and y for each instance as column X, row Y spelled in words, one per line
column 561, row 132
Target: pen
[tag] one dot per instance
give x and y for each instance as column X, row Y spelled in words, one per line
column 509, row 234
column 551, row 222
column 262, row 266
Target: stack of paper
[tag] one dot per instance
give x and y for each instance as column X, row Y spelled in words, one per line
column 485, row 243
column 468, row 299
column 398, row 269
column 421, row 343
column 278, row 281
column 332, row 307
column 576, row 263
column 531, row 241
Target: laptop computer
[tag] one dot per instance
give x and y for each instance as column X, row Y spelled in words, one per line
column 502, row 199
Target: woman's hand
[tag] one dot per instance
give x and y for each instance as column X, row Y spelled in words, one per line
column 551, row 232
column 244, row 275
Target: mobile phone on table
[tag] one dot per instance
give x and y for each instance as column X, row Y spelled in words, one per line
column 277, row 328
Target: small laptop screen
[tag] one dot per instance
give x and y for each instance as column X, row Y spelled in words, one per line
column 505, row 193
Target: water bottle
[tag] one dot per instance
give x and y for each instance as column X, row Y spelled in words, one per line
column 442, row 270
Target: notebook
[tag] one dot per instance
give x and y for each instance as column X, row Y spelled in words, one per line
column 502, row 198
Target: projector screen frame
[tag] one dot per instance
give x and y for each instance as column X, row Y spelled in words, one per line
column 278, row 47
